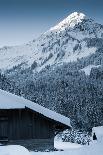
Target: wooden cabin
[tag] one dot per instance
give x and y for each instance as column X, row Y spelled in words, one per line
column 25, row 123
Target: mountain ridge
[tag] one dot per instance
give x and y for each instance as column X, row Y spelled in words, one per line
column 55, row 46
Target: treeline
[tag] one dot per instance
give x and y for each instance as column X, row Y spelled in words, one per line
column 8, row 85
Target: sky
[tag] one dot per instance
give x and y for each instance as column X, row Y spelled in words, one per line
column 24, row 20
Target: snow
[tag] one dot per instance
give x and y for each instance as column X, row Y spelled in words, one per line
column 65, row 145
column 88, row 68
column 11, row 101
column 70, row 21
column 99, row 132
column 13, row 56
column 81, row 54
column 13, row 150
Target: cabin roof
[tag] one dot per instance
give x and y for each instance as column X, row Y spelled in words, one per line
column 11, row 101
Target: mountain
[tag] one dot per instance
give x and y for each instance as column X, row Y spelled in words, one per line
column 61, row 70
column 74, row 38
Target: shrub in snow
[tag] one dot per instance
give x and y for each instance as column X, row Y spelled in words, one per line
column 75, row 137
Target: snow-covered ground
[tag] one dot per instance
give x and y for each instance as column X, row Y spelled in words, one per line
column 75, row 149
column 13, row 150
column 95, row 147
column 66, row 145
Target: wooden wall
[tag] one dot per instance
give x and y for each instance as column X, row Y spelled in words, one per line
column 26, row 124
column 28, row 128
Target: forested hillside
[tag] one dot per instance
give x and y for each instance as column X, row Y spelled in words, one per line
column 64, row 89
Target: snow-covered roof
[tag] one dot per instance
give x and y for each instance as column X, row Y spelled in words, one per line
column 11, row 101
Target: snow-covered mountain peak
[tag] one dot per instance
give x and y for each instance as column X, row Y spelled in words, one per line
column 70, row 21
column 73, row 38
column 76, row 15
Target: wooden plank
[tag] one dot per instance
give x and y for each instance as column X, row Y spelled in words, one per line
column 26, row 124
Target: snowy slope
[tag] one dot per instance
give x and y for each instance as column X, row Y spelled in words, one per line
column 13, row 56
column 87, row 69
column 65, row 42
